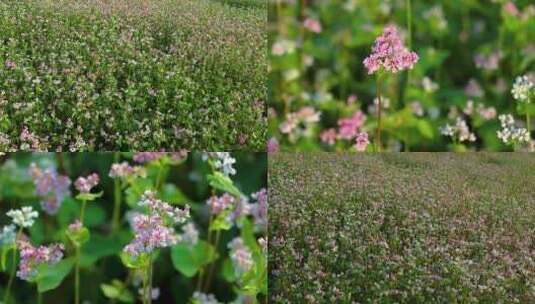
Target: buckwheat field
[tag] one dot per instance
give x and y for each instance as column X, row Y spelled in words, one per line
column 402, row 228
column 132, row 75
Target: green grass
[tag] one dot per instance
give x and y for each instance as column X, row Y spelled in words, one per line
column 402, row 228
column 133, row 75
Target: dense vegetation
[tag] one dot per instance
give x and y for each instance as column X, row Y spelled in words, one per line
column 465, row 73
column 132, row 75
column 143, row 228
column 401, row 228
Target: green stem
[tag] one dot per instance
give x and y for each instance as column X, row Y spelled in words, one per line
column 409, row 23
column 13, row 267
column 77, row 266
column 378, row 110
column 160, row 178
column 116, row 198
column 77, row 277
column 39, row 297
column 212, row 265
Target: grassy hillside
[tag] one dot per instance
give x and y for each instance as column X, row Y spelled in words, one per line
column 135, row 75
column 402, row 228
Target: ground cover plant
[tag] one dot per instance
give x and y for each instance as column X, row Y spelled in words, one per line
column 401, row 228
column 132, row 75
column 411, row 75
column 149, row 227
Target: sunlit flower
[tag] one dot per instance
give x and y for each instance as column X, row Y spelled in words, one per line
column 312, row 25
column 31, row 258
column 389, row 53
column 8, row 234
column 85, row 184
column 362, row 141
column 24, row 217
column 522, row 89
column 328, row 136
column 349, row 127
column 510, row 133
column 459, row 131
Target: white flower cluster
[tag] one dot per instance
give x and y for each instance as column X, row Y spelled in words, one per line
column 522, row 89
column 222, row 161
column 460, row 131
column 510, row 133
column 24, row 217
column 7, row 236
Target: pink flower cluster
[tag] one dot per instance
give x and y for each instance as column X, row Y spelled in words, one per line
column 389, row 53
column 220, row 203
column 32, row 257
column 155, row 229
column 349, row 129
column 259, row 210
column 312, row 25
column 85, row 184
column 144, row 157
column 50, row 186
column 124, row 169
column 75, row 226
column 241, row 257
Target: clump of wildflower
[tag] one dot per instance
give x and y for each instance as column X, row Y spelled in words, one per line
column 203, row 298
column 144, row 157
column 241, row 257
column 222, row 161
column 389, row 53
column 486, row 112
column 298, row 123
column 24, row 217
column 10, row 64
column 75, row 227
column 459, row 132
column 312, row 25
column 522, row 89
column 85, row 184
column 155, row 229
column 488, row 62
column 190, row 234
column 124, row 169
column 8, row 234
column 30, row 141
column 272, row 145
column 510, row 133
column 362, row 141
column 220, row 203
column 259, row 210
column 51, row 186
column 349, row 127
column 328, row 136
column 31, row 258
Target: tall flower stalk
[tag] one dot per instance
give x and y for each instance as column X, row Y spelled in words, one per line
column 389, row 55
column 76, row 231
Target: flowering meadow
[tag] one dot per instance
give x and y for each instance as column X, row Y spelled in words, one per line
column 148, row 227
column 401, row 75
column 132, row 75
column 401, row 228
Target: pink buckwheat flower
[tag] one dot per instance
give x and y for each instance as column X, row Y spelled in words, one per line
column 312, row 25
column 32, row 257
column 389, row 53
column 328, row 136
column 50, row 186
column 272, row 145
column 259, row 210
column 85, row 184
column 362, row 141
column 218, row 204
column 155, row 229
column 510, row 8
column 349, row 127
column 145, row 157
column 241, row 256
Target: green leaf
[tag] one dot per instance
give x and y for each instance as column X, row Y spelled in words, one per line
column 223, row 183
column 190, row 259
column 88, row 196
column 118, row 291
column 135, row 262
column 221, row 222
column 79, row 237
column 50, row 277
column 228, row 271
column 170, row 193
column 100, row 246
